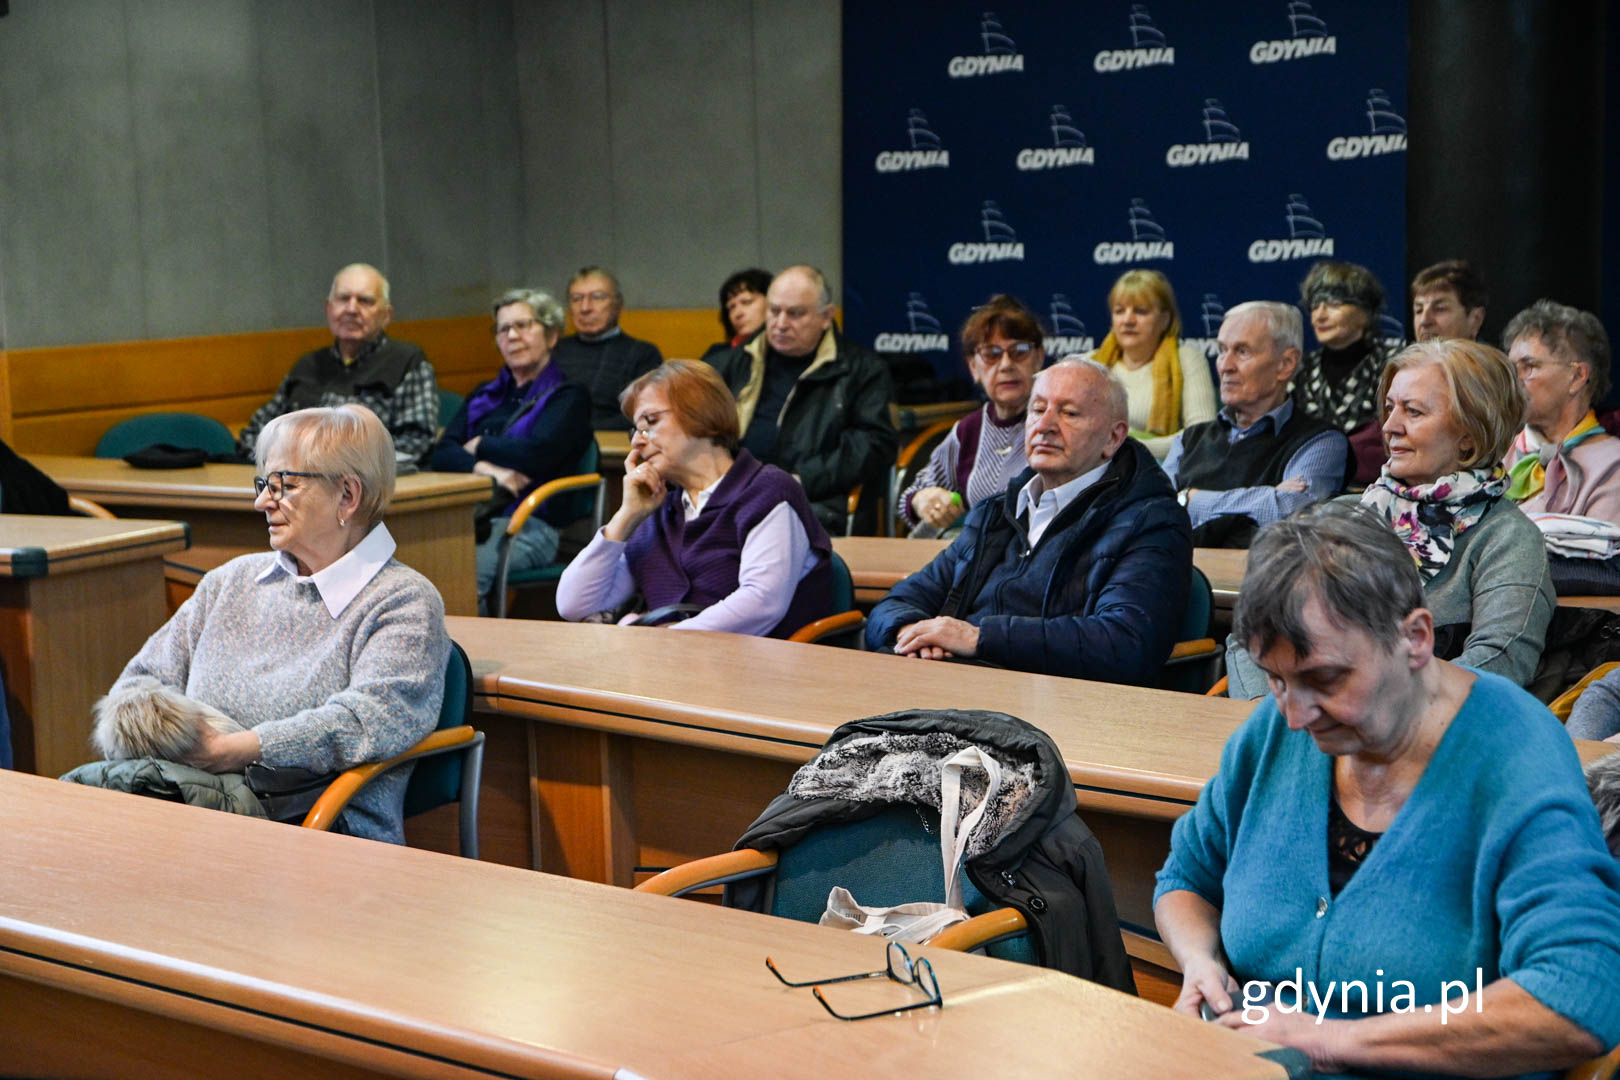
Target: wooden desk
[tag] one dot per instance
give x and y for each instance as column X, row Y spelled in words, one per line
column 878, row 563
column 139, row 936
column 617, row 751
column 430, row 516
column 78, row 598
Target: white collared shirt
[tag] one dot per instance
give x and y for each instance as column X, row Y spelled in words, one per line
column 1043, row 505
column 341, row 582
column 693, row 509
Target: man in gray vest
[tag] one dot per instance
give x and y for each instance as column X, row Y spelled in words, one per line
column 1260, row 459
column 363, row 365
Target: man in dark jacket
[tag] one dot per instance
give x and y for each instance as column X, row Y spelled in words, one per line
column 811, row 402
column 599, row 355
column 1080, row 569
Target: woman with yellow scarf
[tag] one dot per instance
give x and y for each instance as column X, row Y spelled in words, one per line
column 1168, row 384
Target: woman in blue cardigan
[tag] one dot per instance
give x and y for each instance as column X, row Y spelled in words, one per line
column 1403, row 846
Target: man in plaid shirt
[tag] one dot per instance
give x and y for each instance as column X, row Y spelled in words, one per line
column 363, row 365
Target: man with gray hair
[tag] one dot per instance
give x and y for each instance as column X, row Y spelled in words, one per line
column 1563, row 462
column 599, row 355
column 363, row 366
column 812, row 402
column 1260, row 459
column 1080, row 569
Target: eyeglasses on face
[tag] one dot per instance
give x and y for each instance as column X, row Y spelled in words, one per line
column 276, row 483
column 899, row 967
column 991, row 354
column 1528, row 369
column 600, row 296
column 646, row 422
column 516, row 326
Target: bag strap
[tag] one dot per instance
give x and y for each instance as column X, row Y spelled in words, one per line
column 954, row 833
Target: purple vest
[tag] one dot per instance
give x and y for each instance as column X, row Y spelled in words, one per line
column 675, row 561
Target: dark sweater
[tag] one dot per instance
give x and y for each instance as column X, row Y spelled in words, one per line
column 553, row 447
column 1209, row 461
column 604, row 368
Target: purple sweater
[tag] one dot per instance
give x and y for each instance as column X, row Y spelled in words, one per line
column 675, row 561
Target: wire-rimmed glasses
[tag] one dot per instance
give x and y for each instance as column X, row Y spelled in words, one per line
column 899, row 967
column 276, row 482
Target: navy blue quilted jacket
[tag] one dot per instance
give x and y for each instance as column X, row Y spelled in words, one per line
column 1100, row 597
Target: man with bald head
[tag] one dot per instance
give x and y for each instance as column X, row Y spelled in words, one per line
column 363, row 365
column 1080, row 569
column 813, row 403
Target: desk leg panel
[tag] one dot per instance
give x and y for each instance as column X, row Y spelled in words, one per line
column 82, row 629
column 504, row 831
column 52, row 1031
column 438, row 544
column 1135, row 849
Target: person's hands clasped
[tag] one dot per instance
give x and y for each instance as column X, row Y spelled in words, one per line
column 510, row 479
column 939, row 638
column 939, row 507
column 218, row 752
column 1293, row 484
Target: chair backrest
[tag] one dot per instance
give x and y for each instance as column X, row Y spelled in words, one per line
column 1200, row 608
column 843, row 586
column 449, row 402
column 575, row 505
column 436, row 780
column 187, row 430
column 887, row 859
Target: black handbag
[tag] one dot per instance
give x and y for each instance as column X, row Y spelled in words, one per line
column 286, row 792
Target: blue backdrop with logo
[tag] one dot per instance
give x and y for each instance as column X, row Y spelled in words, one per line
column 1044, row 151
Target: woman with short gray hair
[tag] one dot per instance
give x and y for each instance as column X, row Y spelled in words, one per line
column 329, row 651
column 1397, row 865
column 522, row 428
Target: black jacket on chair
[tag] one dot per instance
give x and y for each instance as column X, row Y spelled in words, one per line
column 1049, row 866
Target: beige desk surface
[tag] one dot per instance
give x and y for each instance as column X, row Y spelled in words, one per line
column 426, row 964
column 224, row 487
column 879, row 562
column 1147, row 750
column 37, row 545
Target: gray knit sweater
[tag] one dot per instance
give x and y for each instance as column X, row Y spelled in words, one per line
column 1496, row 582
column 324, row 694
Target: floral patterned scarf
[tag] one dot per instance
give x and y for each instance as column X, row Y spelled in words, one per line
column 1429, row 518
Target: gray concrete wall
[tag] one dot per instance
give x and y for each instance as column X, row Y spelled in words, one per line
column 179, row 167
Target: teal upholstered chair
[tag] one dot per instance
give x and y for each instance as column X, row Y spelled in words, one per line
column 579, row 496
column 844, row 626
column 887, row 859
column 449, row 764
column 1193, row 662
column 449, row 402
column 187, row 430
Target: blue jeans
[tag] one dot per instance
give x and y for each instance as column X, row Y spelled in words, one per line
column 534, row 546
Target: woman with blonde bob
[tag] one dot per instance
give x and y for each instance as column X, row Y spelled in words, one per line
column 705, row 530
column 326, row 649
column 1168, row 384
column 1450, row 410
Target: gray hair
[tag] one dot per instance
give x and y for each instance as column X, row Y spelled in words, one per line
column 345, row 441
column 1577, row 334
column 1119, row 403
column 824, row 299
column 362, row 266
column 547, row 311
column 601, row 271
column 1344, row 556
column 1283, row 322
column 1603, row 781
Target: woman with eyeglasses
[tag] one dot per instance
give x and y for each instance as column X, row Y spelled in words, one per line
column 1167, row 383
column 706, row 534
column 522, row 428
column 327, row 649
column 1338, row 382
column 985, row 450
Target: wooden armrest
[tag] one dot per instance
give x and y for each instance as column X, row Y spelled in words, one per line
column 1184, row 650
column 976, row 931
column 532, row 501
column 854, row 499
column 914, row 447
column 1564, row 703
column 1218, row 690
column 1601, row 1068
column 713, row 870
column 348, row 784
column 832, row 624
column 80, row 505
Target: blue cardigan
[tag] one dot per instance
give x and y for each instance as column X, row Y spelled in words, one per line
column 1495, row 862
